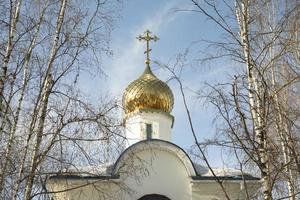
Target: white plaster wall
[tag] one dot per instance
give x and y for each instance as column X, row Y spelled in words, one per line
column 85, row 189
column 148, row 168
column 133, row 188
column 136, row 126
column 211, row 190
column 158, row 172
column 147, row 172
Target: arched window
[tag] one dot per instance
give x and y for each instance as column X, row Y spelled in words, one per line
column 154, row 197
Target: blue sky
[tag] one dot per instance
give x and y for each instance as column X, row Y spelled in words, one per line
column 177, row 30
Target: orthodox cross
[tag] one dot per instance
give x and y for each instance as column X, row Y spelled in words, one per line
column 147, row 37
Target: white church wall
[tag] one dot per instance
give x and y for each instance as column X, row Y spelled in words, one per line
column 156, row 172
column 150, row 167
column 136, row 126
column 146, row 172
column 133, row 188
column 211, row 190
column 86, row 189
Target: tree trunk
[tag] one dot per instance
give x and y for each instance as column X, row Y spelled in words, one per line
column 9, row 48
column 20, row 101
column 47, row 86
column 242, row 12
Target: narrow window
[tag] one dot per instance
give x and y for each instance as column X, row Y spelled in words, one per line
column 149, row 131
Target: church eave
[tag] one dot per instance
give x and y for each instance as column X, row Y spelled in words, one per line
column 226, row 178
column 77, row 177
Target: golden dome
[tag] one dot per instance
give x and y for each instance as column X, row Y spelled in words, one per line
column 148, row 92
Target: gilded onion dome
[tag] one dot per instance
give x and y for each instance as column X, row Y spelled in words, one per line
column 148, row 92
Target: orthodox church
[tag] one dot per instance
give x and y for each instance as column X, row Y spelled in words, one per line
column 151, row 167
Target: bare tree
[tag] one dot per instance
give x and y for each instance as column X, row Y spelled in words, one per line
column 260, row 106
column 45, row 48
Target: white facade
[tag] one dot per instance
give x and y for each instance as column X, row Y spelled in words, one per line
column 149, row 167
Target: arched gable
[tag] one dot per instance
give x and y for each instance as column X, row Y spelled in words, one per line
column 158, row 145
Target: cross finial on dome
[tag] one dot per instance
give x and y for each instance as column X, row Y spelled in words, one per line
column 147, row 37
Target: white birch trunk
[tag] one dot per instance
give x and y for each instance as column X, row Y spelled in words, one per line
column 282, row 132
column 242, row 12
column 39, row 135
column 47, row 86
column 23, row 89
column 9, row 49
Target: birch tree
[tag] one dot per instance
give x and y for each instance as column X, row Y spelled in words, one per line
column 260, row 109
column 46, row 47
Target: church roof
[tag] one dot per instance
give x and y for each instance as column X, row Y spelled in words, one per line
column 148, row 92
column 105, row 171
